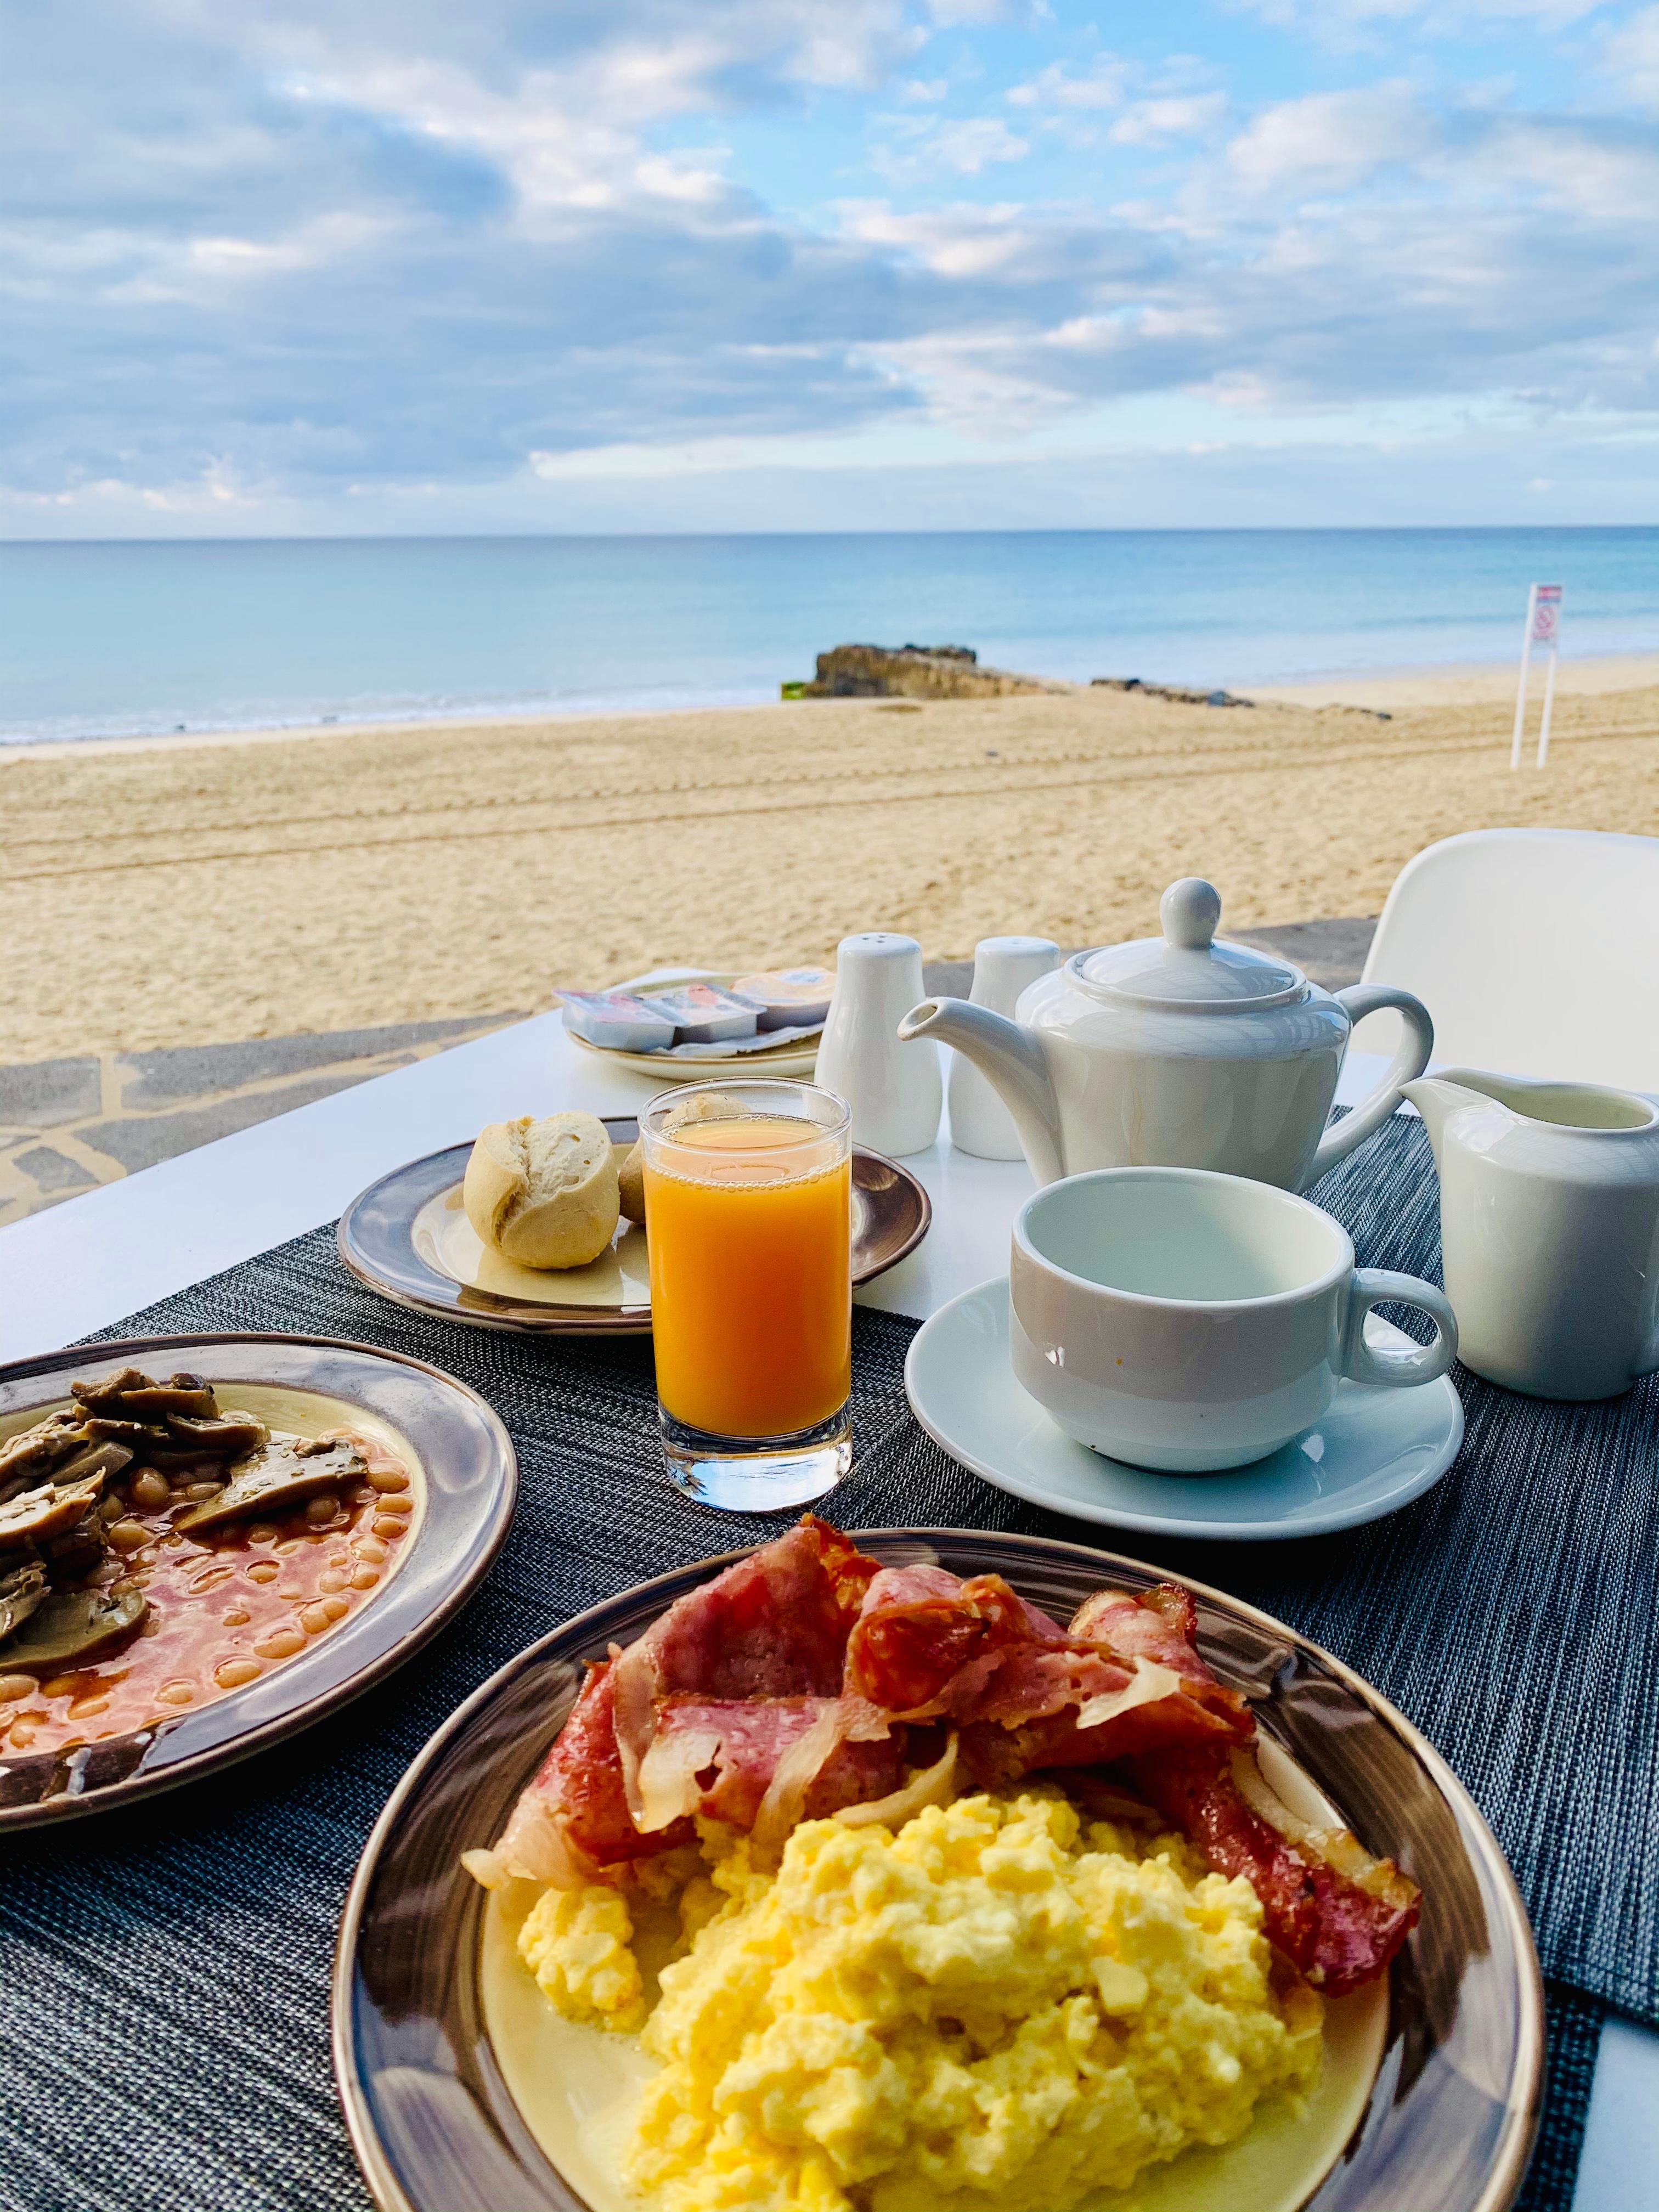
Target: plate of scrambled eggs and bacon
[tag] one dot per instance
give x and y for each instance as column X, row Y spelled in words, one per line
column 933, row 1872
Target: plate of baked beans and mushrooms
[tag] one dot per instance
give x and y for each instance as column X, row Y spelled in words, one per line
column 208, row 1542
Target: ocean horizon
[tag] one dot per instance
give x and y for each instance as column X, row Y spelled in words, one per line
column 128, row 638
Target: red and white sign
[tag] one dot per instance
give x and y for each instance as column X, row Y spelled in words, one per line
column 1543, row 627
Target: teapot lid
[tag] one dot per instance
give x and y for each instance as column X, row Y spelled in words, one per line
column 1186, row 970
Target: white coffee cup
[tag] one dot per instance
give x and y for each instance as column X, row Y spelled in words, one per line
column 1185, row 1321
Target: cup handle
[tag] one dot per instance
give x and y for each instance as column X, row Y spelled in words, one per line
column 1395, row 1367
column 1416, row 1048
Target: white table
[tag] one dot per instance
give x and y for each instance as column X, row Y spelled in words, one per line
column 121, row 1247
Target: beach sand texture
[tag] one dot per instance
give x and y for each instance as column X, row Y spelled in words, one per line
column 179, row 893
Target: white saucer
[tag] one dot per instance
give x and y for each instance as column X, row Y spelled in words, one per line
column 1375, row 1450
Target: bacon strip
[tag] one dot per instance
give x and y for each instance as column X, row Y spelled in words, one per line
column 769, row 1631
column 1340, row 1932
column 745, row 1744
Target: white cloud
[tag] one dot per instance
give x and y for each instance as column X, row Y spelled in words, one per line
column 1158, row 122
column 1330, row 141
column 932, row 146
column 1100, row 86
column 1631, row 58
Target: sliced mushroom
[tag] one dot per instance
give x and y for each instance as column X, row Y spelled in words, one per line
column 277, row 1477
column 20, row 1592
column 230, row 1435
column 36, row 1452
column 106, row 1394
column 190, row 1395
column 109, row 1429
column 73, row 1628
column 47, row 1511
column 107, row 1460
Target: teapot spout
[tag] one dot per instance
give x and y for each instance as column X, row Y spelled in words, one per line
column 1437, row 1097
column 1011, row 1061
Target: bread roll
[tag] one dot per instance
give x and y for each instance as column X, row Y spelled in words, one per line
column 543, row 1193
column 631, row 1177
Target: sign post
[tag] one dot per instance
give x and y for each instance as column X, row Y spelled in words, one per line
column 1543, row 627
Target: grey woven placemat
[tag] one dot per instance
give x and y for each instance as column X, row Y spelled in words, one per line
column 163, row 1975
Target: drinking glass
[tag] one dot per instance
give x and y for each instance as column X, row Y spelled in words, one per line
column 748, row 1206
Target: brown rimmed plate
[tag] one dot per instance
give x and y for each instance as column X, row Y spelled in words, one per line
column 465, row 1478
column 408, row 1238
column 1453, row 2107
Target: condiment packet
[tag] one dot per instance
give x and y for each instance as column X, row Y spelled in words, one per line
column 618, row 1020
column 702, row 1015
column 788, row 998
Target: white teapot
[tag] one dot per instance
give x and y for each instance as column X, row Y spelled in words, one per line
column 1179, row 1051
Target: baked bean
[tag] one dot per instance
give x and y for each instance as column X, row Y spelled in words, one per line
column 322, row 1509
column 363, row 1495
column 332, row 1579
column 129, row 1535
column 13, row 1686
column 177, row 1693
column 261, row 1532
column 60, row 1685
column 389, row 1477
column 384, row 1525
column 24, row 1728
column 194, row 1490
column 231, row 1673
column 238, row 1617
column 84, row 1708
column 312, row 1619
column 288, row 1544
column 150, row 1490
column 263, row 1570
column 364, row 1577
column 400, row 1506
column 336, row 1607
column 281, row 1643
column 370, row 1547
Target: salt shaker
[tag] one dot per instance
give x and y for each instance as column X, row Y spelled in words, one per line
column 1003, row 966
column 895, row 1090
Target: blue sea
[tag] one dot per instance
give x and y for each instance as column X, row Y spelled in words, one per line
column 100, row 640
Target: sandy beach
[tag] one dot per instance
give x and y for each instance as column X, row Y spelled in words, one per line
column 191, row 891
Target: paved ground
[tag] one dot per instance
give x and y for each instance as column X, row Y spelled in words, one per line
column 68, row 1125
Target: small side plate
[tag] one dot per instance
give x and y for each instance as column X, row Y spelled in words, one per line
column 686, row 1067
column 1375, row 1450
column 408, row 1238
column 466, row 1479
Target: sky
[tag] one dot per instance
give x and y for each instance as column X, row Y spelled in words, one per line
column 363, row 266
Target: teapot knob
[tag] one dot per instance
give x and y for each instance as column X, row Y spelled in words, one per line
column 1190, row 911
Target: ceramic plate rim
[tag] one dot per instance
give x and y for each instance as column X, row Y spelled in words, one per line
column 573, row 1319
column 290, row 1722
column 1508, row 2165
column 1167, row 1524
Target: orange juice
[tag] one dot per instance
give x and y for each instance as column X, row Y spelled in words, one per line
column 749, row 1228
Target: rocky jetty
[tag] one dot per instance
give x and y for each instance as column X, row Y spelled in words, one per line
column 1168, row 691
column 910, row 672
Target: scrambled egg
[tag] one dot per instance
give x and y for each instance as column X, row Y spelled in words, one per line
column 1001, row 2006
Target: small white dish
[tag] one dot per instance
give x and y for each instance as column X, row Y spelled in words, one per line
column 1372, row 1452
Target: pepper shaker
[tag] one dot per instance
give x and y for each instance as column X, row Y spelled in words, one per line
column 1003, row 966
column 895, row 1091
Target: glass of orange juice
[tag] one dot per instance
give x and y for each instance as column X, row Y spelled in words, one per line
column 748, row 1225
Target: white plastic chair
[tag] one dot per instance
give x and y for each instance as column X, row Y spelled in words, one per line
column 1535, row 951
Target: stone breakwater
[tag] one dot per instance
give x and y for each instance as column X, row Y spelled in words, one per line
column 912, row 672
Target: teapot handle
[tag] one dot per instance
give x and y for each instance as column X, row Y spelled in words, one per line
column 1409, row 1062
